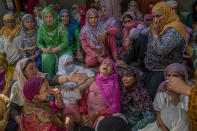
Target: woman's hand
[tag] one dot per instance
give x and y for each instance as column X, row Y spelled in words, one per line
column 121, row 63
column 69, row 121
column 6, row 115
column 103, row 36
column 100, row 59
column 80, row 55
column 58, row 97
column 18, row 120
column 76, row 77
column 90, row 119
column 178, row 85
column 155, row 28
column 128, row 45
column 46, row 50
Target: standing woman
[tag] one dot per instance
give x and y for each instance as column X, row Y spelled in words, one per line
column 97, row 39
column 52, row 39
column 28, row 37
column 9, row 40
column 73, row 30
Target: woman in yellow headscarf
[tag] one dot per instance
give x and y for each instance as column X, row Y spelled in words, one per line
column 8, row 38
column 6, row 73
column 157, row 46
column 165, row 17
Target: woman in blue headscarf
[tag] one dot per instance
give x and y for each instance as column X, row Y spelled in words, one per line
column 73, row 29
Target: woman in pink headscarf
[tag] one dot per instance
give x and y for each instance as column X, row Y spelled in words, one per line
column 103, row 96
column 97, row 39
column 114, row 5
column 106, row 16
column 130, row 26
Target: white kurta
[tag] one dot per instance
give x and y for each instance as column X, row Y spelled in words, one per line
column 11, row 49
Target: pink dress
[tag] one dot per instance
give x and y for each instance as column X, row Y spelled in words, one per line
column 109, row 45
column 95, row 103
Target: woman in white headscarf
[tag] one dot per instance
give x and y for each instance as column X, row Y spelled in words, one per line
column 170, row 119
column 71, row 91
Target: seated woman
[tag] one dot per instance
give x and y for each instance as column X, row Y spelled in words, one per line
column 28, row 37
column 9, row 40
column 6, row 73
column 165, row 97
column 52, row 39
column 170, row 119
column 97, row 39
column 4, row 112
column 73, row 30
column 130, row 25
column 26, row 69
column 136, row 103
column 39, row 112
column 192, row 18
column 133, row 7
column 158, row 46
column 71, row 91
column 103, row 96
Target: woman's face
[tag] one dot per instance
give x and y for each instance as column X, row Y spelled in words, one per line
column 174, row 8
column 173, row 74
column 93, row 20
column 39, row 11
column 29, row 24
column 10, row 23
column 65, row 18
column 3, row 67
column 103, row 12
column 127, row 20
column 106, row 68
column 30, row 70
column 133, row 7
column 128, row 81
column 44, row 91
column 160, row 123
column 48, row 18
column 158, row 18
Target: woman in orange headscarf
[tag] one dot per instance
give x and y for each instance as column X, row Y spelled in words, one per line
column 166, row 39
column 8, row 41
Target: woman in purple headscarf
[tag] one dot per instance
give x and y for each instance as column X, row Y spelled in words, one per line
column 102, row 98
column 37, row 113
column 165, row 97
column 106, row 16
column 97, row 39
column 136, row 103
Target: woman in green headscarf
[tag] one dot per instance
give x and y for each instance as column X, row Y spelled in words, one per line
column 53, row 40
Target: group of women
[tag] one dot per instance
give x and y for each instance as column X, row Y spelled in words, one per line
column 45, row 90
